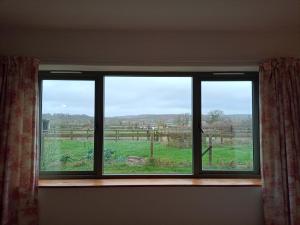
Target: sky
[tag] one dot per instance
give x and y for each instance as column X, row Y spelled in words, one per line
column 145, row 95
column 232, row 97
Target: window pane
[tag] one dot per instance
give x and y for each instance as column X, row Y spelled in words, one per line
column 227, row 142
column 148, row 125
column 67, row 139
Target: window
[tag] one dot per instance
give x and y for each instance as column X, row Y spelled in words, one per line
column 67, row 135
column 147, row 125
column 227, row 140
column 96, row 124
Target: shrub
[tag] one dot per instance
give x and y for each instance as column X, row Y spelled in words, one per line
column 90, row 154
column 65, row 158
column 108, row 154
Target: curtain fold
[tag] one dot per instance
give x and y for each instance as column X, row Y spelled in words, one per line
column 18, row 142
column 280, row 140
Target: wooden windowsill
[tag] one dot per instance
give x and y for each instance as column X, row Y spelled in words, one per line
column 148, row 182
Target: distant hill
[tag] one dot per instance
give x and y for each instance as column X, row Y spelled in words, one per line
column 60, row 120
column 87, row 122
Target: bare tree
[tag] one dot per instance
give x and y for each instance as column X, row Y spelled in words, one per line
column 215, row 116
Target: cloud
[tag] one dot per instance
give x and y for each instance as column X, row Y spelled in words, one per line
column 69, row 97
column 232, row 97
column 145, row 95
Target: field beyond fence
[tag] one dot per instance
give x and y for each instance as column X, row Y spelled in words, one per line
column 166, row 150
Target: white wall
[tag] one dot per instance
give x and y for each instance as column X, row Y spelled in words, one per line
column 149, row 48
column 151, row 206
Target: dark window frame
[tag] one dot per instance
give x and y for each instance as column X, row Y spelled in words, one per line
column 197, row 78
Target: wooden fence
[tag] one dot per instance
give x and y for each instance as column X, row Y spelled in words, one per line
column 159, row 134
column 176, row 137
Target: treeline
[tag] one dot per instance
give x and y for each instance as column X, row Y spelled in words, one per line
column 213, row 118
column 66, row 121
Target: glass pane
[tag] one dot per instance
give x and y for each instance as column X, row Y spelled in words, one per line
column 148, row 125
column 227, row 142
column 67, row 142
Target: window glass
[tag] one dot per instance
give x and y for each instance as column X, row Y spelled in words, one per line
column 67, row 134
column 147, row 125
column 227, row 139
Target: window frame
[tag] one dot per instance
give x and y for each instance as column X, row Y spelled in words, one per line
column 238, row 76
column 197, row 78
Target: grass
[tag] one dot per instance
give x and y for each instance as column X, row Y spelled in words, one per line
column 226, row 157
column 77, row 155
column 166, row 159
column 67, row 155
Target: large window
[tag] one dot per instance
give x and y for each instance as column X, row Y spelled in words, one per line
column 97, row 124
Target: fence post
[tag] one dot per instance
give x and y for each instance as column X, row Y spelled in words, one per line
column 71, row 134
column 160, row 135
column 151, row 145
column 156, row 135
column 231, row 134
column 148, row 135
column 221, row 136
column 116, row 136
column 204, row 139
column 210, row 150
column 137, row 135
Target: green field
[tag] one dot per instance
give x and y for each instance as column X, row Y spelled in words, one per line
column 77, row 155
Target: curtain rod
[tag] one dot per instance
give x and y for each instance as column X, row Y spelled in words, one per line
column 65, row 67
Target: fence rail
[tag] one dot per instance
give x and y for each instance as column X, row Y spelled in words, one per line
column 142, row 134
column 179, row 137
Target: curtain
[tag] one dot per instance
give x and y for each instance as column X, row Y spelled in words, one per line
column 280, row 140
column 18, row 143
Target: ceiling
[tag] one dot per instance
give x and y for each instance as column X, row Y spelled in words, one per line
column 204, row 15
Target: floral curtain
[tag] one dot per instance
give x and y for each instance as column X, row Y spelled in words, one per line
column 280, row 140
column 18, row 143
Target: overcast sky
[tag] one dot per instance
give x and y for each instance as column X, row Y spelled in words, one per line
column 145, row 95
column 230, row 97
